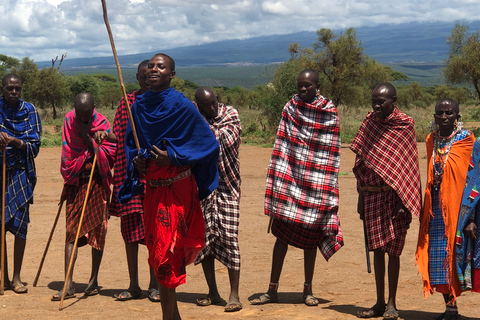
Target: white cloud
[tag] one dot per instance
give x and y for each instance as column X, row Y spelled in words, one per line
column 43, row 29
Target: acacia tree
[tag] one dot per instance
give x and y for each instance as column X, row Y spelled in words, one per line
column 463, row 62
column 51, row 89
column 348, row 74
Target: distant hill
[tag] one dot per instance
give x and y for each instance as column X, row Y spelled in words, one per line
column 402, row 46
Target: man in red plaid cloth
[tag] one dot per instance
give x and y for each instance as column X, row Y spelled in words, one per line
column 78, row 150
column 389, row 190
column 131, row 213
column 221, row 209
column 302, row 183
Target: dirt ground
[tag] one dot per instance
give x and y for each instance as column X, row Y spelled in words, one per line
column 342, row 285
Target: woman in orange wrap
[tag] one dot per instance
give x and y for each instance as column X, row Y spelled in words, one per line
column 449, row 150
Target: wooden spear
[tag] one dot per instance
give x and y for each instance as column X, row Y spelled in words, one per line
column 4, row 170
column 107, row 24
column 87, row 193
column 48, row 243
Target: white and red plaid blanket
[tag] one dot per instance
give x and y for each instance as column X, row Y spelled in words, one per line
column 302, row 186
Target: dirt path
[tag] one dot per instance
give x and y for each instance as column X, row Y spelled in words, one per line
column 342, row 285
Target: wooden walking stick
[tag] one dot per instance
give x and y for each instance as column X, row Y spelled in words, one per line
column 48, row 242
column 120, row 78
column 367, row 253
column 4, row 170
column 78, row 231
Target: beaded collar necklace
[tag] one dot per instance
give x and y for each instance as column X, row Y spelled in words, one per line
column 442, row 155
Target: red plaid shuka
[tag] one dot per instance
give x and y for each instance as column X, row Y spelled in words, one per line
column 302, row 180
column 387, row 154
column 120, row 168
column 221, row 208
column 75, row 153
column 76, row 163
column 389, row 147
column 95, row 218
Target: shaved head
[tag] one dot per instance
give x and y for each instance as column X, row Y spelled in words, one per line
column 207, row 102
column 84, row 105
column 311, row 74
column 388, row 88
column 202, row 93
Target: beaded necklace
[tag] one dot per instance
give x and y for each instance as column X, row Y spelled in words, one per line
column 442, row 155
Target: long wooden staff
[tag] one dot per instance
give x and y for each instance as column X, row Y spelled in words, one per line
column 367, row 253
column 107, row 24
column 48, row 242
column 78, row 231
column 4, row 178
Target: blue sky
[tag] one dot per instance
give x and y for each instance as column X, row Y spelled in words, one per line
column 43, row 29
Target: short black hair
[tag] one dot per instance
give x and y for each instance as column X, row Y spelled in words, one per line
column 456, row 106
column 142, row 64
column 172, row 62
column 10, row 76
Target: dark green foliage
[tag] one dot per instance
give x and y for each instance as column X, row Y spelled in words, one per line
column 7, row 63
column 463, row 63
column 83, row 83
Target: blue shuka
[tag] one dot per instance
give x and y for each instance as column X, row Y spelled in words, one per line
column 170, row 121
column 21, row 122
column 468, row 250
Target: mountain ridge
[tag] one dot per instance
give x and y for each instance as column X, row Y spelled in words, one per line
column 412, row 42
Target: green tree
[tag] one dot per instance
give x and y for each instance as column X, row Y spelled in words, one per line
column 51, row 89
column 105, row 77
column 463, row 62
column 28, row 71
column 83, row 83
column 349, row 75
column 293, row 49
column 6, row 64
column 109, row 94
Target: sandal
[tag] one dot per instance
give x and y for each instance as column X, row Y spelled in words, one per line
column 127, row 295
column 68, row 295
column 207, row 301
column 374, row 312
column 232, row 307
column 263, row 299
column 310, row 300
column 91, row 291
column 19, row 288
column 390, row 314
column 153, row 295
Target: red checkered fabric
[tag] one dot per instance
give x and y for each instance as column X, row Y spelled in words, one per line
column 303, row 238
column 133, row 228
column 94, row 225
column 120, row 167
column 388, row 146
column 383, row 232
column 302, row 181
